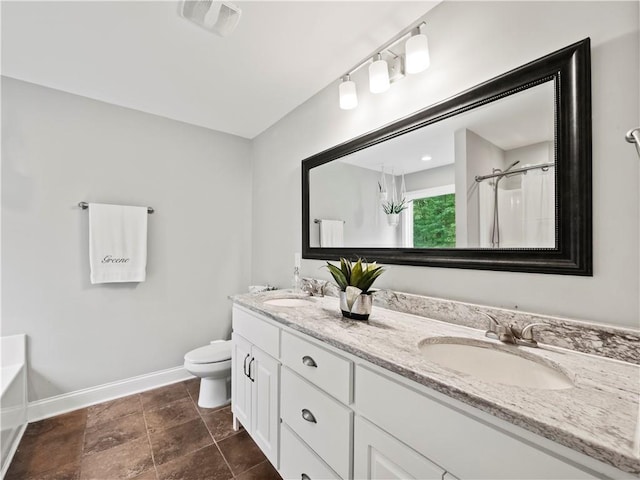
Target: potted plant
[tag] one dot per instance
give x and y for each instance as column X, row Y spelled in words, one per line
column 393, row 210
column 354, row 281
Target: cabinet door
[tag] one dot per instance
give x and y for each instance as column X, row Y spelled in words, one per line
column 265, row 411
column 298, row 461
column 240, row 383
column 378, row 456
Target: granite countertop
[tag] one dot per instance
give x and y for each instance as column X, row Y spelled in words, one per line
column 597, row 417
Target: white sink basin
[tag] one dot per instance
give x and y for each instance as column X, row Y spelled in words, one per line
column 288, row 302
column 492, row 364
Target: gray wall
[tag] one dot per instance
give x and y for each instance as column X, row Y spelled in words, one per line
column 430, row 178
column 470, row 43
column 340, row 191
column 59, row 149
column 479, row 157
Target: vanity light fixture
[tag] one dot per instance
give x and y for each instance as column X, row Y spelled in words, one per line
column 379, row 75
column 407, row 52
column 348, row 94
column 417, row 51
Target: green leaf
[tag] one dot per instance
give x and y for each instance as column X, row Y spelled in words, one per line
column 345, row 266
column 359, row 274
column 356, row 274
column 369, row 277
column 394, row 207
column 338, row 276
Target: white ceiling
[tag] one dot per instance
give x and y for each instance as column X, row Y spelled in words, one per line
column 144, row 56
column 518, row 120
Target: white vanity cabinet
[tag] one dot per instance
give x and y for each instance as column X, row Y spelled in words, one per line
column 341, row 417
column 256, row 381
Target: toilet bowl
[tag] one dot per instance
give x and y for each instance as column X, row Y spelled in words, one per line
column 212, row 364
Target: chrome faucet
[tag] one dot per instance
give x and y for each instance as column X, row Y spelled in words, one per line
column 497, row 331
column 512, row 334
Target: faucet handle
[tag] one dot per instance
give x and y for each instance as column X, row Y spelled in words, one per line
column 316, row 288
column 527, row 332
column 497, row 331
column 525, row 336
column 494, row 326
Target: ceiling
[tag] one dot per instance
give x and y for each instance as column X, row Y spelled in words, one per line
column 515, row 121
column 143, row 55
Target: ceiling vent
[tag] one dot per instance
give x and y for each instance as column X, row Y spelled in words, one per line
column 218, row 17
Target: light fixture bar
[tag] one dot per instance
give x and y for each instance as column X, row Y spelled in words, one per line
column 404, row 34
column 386, row 66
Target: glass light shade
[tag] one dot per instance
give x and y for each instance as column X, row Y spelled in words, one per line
column 417, row 50
column 348, row 95
column 379, row 76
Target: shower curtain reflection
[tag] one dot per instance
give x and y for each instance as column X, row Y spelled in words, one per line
column 524, row 216
column 538, row 199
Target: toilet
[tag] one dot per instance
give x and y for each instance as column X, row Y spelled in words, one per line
column 212, row 364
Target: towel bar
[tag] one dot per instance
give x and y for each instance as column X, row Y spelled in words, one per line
column 85, row 205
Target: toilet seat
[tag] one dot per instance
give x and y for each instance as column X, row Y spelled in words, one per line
column 213, row 353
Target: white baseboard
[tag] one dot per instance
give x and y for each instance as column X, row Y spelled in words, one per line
column 68, row 402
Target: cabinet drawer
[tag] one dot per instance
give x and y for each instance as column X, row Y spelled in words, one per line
column 297, row 460
column 260, row 333
column 330, row 372
column 328, row 426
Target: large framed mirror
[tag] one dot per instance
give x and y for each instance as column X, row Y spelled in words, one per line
column 495, row 178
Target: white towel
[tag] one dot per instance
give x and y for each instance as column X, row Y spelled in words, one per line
column 117, row 243
column 331, row 233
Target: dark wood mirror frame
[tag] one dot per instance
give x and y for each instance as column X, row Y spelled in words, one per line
column 570, row 69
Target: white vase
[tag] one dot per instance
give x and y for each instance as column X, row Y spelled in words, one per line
column 393, row 219
column 361, row 308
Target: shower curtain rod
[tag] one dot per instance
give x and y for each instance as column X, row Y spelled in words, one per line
column 480, row 178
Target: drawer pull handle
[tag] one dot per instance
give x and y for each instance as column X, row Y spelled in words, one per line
column 308, row 416
column 304, row 476
column 245, row 364
column 250, row 376
column 308, row 361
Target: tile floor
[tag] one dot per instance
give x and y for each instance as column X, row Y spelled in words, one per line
column 155, row 435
